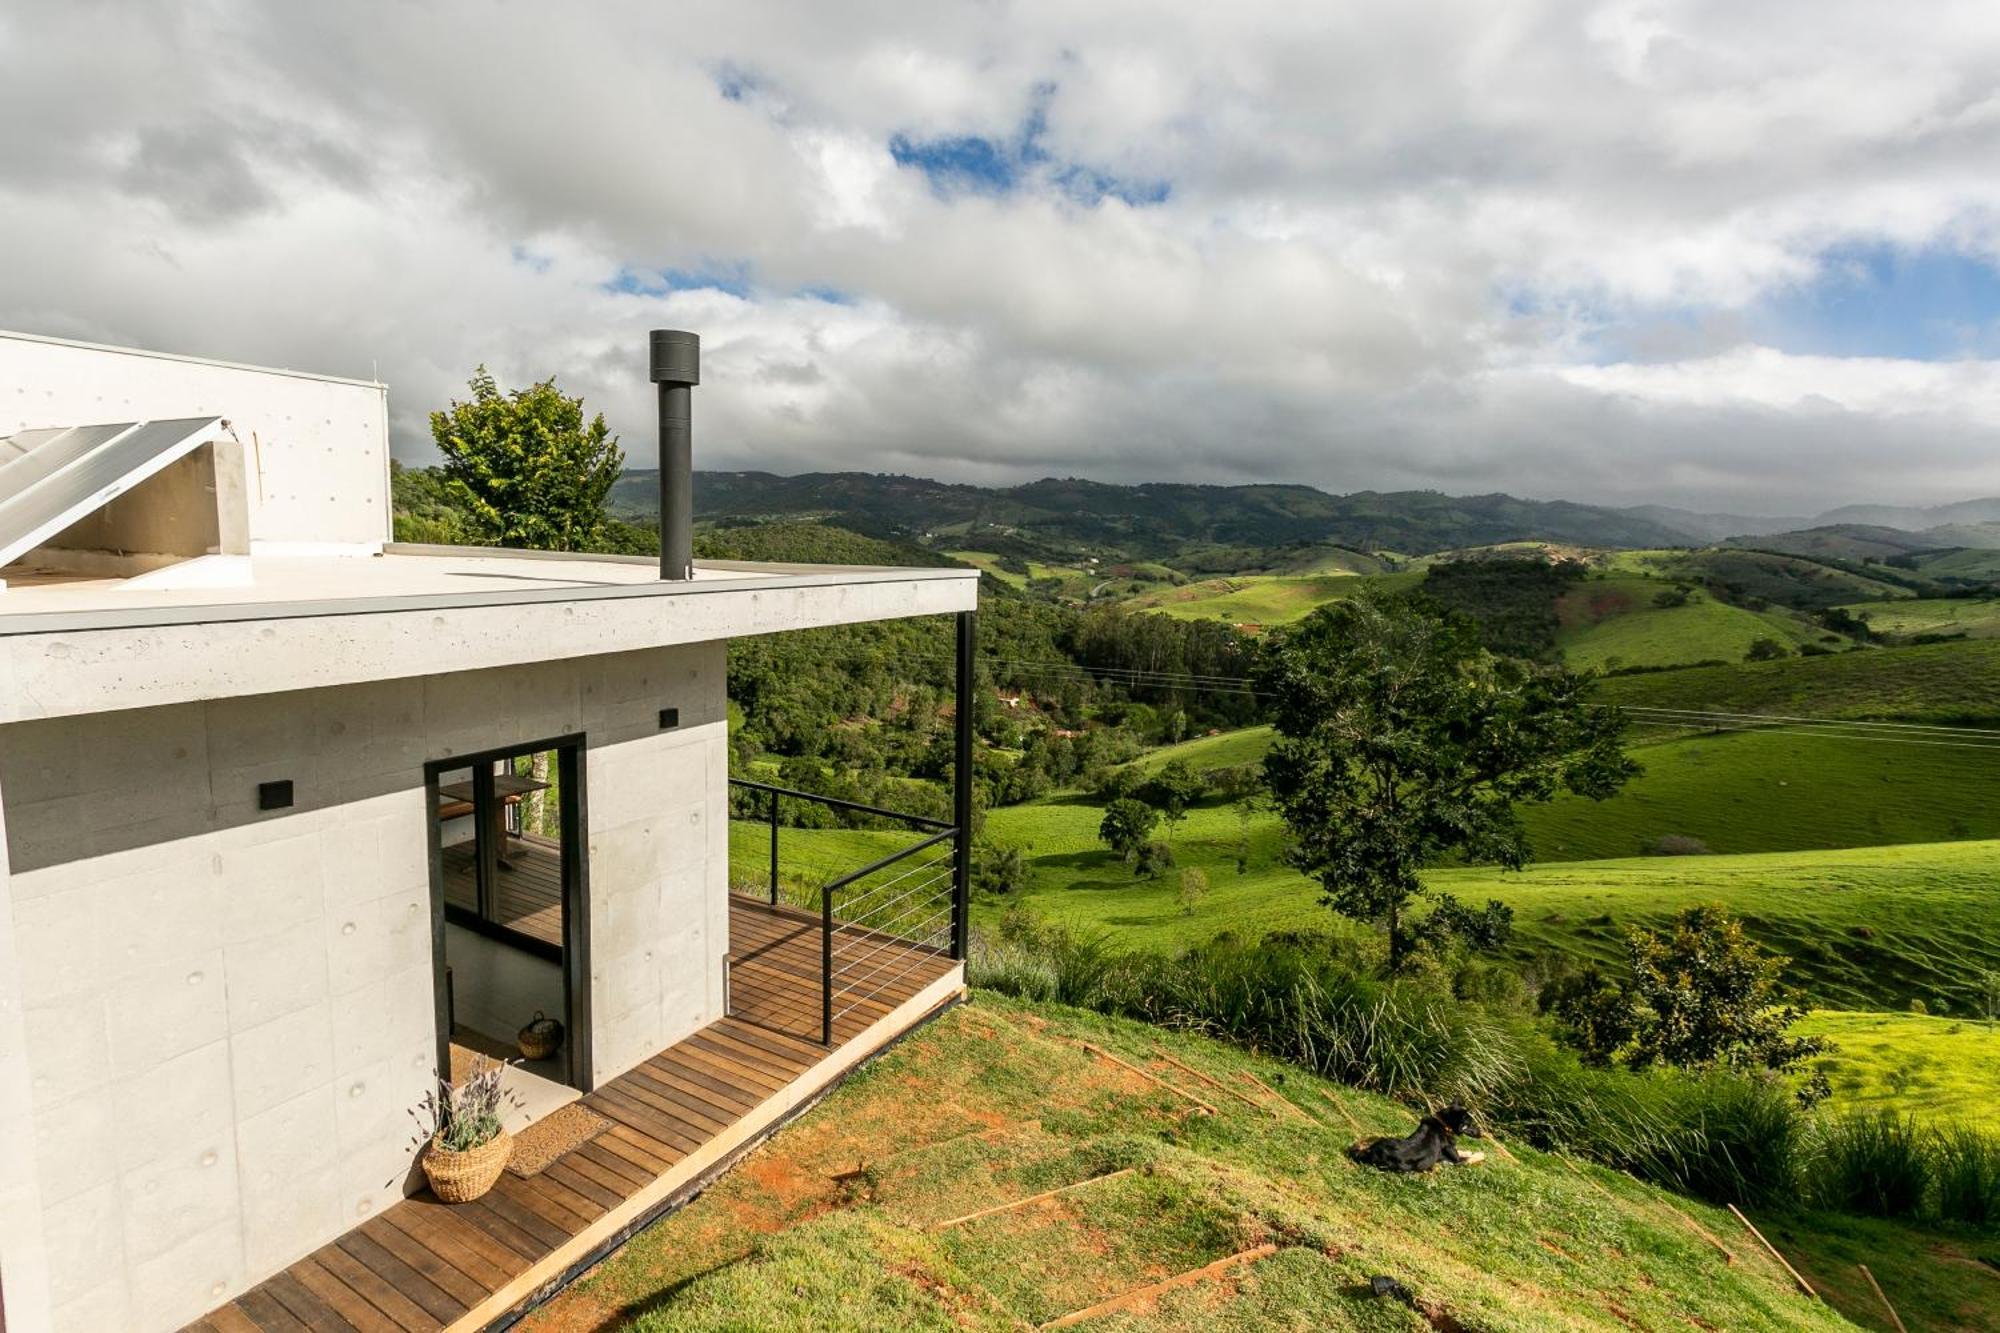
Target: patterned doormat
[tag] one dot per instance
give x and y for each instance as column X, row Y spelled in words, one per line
column 554, row 1134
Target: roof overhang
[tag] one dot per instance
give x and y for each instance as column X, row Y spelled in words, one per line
column 98, row 659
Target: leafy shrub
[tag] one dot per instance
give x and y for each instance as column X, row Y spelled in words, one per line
column 1194, row 888
column 1765, row 650
column 1877, row 1164
column 1152, row 860
column 1677, row 844
column 1966, row 1166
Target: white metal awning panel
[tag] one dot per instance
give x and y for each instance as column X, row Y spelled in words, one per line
column 50, row 479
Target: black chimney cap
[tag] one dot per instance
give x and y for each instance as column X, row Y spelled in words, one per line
column 676, row 357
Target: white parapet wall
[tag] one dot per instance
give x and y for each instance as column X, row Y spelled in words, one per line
column 218, row 1017
column 314, row 456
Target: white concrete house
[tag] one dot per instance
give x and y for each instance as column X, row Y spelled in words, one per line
column 276, row 843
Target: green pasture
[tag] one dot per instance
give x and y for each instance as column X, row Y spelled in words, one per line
column 1976, row 619
column 1943, row 1069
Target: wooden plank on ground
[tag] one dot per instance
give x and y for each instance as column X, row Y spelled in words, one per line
column 351, row 1304
column 420, row 1290
column 445, row 1276
column 305, row 1306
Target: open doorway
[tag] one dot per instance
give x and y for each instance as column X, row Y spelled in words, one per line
column 507, row 874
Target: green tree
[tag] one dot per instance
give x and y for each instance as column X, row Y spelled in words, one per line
column 525, row 467
column 1704, row 993
column 1765, row 650
column 1126, row 826
column 1401, row 741
column 1171, row 791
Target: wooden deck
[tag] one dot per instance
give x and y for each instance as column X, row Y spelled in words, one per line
column 422, row 1265
column 530, row 893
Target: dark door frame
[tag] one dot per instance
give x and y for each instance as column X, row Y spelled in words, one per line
column 573, row 810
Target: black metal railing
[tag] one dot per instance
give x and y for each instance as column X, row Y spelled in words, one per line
column 878, row 923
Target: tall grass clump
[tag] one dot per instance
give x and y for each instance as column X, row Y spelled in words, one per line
column 1308, row 999
column 1966, row 1167
column 1718, row 1135
column 1878, row 1164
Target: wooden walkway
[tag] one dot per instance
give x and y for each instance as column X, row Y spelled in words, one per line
column 422, row 1265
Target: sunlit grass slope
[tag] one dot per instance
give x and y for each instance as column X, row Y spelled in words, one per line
column 836, row 1223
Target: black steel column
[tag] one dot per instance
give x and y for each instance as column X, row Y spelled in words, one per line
column 676, row 368
column 961, row 888
column 826, row 966
column 774, row 849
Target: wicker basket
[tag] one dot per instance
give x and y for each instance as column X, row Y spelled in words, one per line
column 461, row 1177
column 540, row 1039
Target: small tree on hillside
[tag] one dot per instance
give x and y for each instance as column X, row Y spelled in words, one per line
column 526, row 467
column 1401, row 741
column 1127, row 825
column 1700, row 994
column 1171, row 791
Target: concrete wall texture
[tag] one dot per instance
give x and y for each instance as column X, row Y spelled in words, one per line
column 315, row 457
column 222, row 1015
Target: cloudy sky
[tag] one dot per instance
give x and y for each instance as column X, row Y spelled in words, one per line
column 1736, row 256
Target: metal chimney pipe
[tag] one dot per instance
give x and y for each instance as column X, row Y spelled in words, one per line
column 676, row 368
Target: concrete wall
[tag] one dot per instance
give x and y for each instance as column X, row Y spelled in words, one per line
column 226, row 1013
column 315, row 461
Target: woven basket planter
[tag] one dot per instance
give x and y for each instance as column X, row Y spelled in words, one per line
column 540, row 1039
column 461, row 1177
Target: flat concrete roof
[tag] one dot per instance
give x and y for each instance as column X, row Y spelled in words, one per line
column 402, row 578
column 232, row 625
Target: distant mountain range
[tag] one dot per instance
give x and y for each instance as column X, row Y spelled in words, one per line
column 1160, row 519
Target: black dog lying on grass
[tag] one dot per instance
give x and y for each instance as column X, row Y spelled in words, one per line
column 1436, row 1140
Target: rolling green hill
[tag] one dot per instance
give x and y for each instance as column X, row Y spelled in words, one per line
column 1737, row 792
column 1616, row 621
column 1944, row 682
column 1262, row 599
column 1868, row 927
column 1974, row 618
column 1152, row 521
column 841, row 1222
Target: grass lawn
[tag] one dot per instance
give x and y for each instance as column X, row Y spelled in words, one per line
column 1938, row 682
column 1933, row 615
column 1942, row 1070
column 1867, row 928
column 1737, row 792
column 1265, row 599
column 1609, row 622
column 835, row 1223
column 989, row 562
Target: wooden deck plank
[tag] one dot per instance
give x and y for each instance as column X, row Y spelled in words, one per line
column 422, row 1265
column 305, row 1306
column 407, row 1314
column 421, row 1291
column 482, row 1215
column 444, row 1275
column 564, row 1170
column 636, row 1148
column 269, row 1316
column 352, row 1305
column 541, row 1202
column 477, row 1254
column 607, row 1169
column 228, row 1319
column 621, row 1107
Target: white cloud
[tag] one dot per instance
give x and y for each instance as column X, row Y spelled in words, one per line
column 1392, row 243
